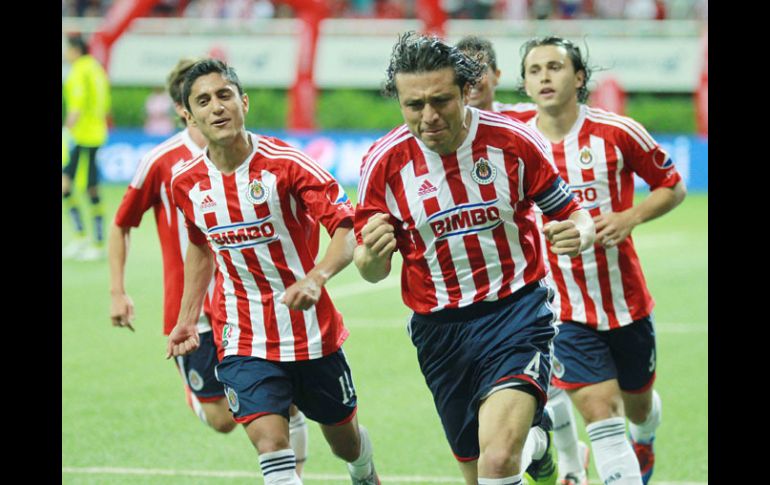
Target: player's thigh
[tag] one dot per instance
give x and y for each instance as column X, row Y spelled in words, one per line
column 324, row 390
column 344, row 439
column 505, row 418
column 268, row 433
column 581, row 357
column 198, row 370
column 465, row 362
column 93, row 171
column 633, row 350
column 255, row 387
column 70, row 167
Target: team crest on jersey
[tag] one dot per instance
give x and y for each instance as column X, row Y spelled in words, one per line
column 483, row 172
column 195, row 380
column 586, row 159
column 557, row 367
column 661, row 159
column 257, row 192
column 232, row 399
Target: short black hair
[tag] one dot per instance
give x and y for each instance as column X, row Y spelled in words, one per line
column 473, row 45
column 78, row 42
column 579, row 63
column 204, row 67
column 421, row 53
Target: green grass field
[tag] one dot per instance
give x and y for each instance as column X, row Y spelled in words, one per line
column 124, row 419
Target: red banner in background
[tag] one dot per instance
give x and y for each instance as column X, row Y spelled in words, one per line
column 609, row 95
column 116, row 21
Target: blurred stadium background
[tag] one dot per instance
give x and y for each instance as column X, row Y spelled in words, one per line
column 312, row 70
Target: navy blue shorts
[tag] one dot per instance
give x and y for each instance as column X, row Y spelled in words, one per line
column 321, row 388
column 197, row 370
column 469, row 353
column 584, row 356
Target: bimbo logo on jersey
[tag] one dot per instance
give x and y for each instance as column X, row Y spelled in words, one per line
column 483, row 172
column 243, row 235
column 465, row 219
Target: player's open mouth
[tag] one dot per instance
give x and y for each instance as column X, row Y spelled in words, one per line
column 220, row 123
column 547, row 92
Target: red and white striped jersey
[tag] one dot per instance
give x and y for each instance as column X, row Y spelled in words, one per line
column 151, row 187
column 605, row 288
column 519, row 111
column 464, row 221
column 261, row 223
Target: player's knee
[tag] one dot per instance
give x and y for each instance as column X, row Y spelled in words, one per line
column 499, row 461
column 594, row 410
column 221, row 424
column 269, row 444
column 93, row 196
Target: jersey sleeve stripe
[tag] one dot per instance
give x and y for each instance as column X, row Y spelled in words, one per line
column 274, row 151
column 630, row 122
column 526, row 134
column 638, row 133
column 184, row 168
column 150, row 158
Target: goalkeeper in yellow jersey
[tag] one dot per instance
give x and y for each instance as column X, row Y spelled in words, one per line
column 87, row 98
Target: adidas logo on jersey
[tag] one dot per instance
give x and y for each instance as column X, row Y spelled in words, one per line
column 208, row 204
column 426, row 188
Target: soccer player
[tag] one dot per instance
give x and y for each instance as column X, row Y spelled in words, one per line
column 87, row 99
column 250, row 203
column 151, row 188
column 604, row 353
column 574, row 455
column 452, row 190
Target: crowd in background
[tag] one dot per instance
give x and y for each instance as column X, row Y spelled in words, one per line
column 457, row 9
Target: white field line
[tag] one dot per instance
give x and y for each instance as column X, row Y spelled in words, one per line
column 305, row 476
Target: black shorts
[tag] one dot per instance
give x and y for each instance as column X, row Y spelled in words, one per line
column 321, row 388
column 465, row 355
column 197, row 370
column 584, row 356
column 89, row 155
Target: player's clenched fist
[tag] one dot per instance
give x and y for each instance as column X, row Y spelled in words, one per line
column 379, row 236
column 564, row 237
column 182, row 340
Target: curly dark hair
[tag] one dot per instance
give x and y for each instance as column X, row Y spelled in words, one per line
column 421, row 53
column 204, row 67
column 474, row 46
column 579, row 62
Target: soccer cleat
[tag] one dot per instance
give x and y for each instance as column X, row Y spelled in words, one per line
column 372, row 479
column 544, row 471
column 91, row 253
column 646, row 457
column 74, row 249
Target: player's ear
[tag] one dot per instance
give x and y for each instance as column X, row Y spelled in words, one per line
column 580, row 77
column 189, row 118
column 497, row 76
column 245, row 100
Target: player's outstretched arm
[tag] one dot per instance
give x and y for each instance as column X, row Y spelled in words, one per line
column 305, row 293
column 572, row 235
column 121, row 306
column 198, row 271
column 373, row 257
column 614, row 227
